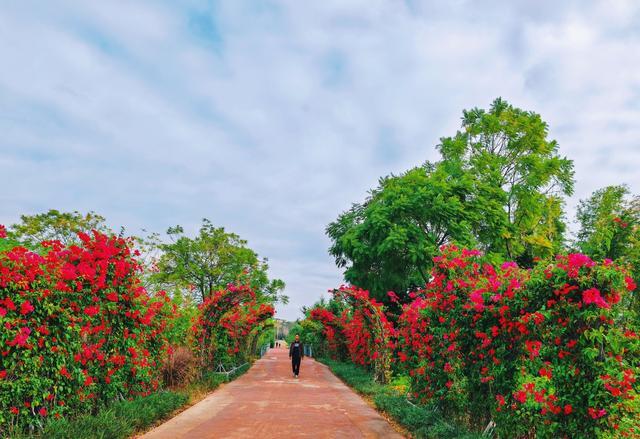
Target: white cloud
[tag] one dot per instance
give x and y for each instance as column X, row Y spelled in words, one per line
column 272, row 119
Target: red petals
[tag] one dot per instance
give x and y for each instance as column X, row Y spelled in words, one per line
column 92, row 310
column 592, row 295
column 26, row 308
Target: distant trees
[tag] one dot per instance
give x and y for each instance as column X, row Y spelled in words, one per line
column 56, row 225
column 210, row 261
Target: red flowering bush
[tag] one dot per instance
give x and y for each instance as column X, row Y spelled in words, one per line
column 456, row 338
column 368, row 333
column 226, row 320
column 239, row 329
column 332, row 331
column 541, row 353
column 78, row 329
column 579, row 360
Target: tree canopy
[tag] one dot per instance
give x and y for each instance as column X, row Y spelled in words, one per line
column 386, row 243
column 210, row 261
column 498, row 186
column 519, row 180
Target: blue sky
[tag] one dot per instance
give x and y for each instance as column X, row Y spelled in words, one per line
column 272, row 117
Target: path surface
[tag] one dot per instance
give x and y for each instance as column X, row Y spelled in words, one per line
column 267, row 402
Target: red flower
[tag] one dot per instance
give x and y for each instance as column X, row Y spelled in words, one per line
column 26, row 308
column 42, row 411
column 3, row 232
column 3, row 374
column 568, row 409
column 630, row 283
column 545, row 373
column 113, row 297
column 68, row 272
column 64, row 372
column 596, row 414
column 533, row 347
column 14, row 410
column 592, row 295
column 92, row 310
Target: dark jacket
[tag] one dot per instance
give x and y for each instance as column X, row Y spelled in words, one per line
column 296, row 352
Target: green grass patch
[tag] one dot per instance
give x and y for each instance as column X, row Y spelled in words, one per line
column 421, row 421
column 120, row 420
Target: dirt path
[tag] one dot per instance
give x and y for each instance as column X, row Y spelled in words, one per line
column 267, row 402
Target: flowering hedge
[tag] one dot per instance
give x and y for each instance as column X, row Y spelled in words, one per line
column 332, row 330
column 227, row 319
column 78, row 329
column 540, row 353
column 366, row 331
column 579, row 359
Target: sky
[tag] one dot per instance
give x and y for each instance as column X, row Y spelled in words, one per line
column 271, row 117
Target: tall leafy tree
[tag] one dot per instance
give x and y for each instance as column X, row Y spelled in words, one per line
column 499, row 186
column 387, row 242
column 519, row 177
column 212, row 260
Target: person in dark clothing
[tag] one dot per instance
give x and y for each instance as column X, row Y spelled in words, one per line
column 296, row 352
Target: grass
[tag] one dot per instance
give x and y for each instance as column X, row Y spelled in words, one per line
column 124, row 418
column 420, row 421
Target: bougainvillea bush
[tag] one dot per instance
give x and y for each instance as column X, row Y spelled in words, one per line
column 334, row 343
column 456, row 337
column 228, row 320
column 541, row 353
column 579, row 355
column 78, row 330
column 369, row 335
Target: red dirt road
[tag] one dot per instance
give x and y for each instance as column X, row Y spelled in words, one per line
column 267, row 402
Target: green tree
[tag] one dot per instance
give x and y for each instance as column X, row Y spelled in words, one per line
column 387, row 242
column 212, row 260
column 498, row 186
column 56, row 225
column 609, row 222
column 519, row 180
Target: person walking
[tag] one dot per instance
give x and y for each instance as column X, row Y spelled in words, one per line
column 296, row 352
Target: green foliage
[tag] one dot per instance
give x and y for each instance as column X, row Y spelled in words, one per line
column 180, row 331
column 387, row 243
column 211, row 261
column 498, row 186
column 55, row 225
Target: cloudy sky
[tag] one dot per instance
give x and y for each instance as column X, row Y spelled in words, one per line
column 272, row 117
